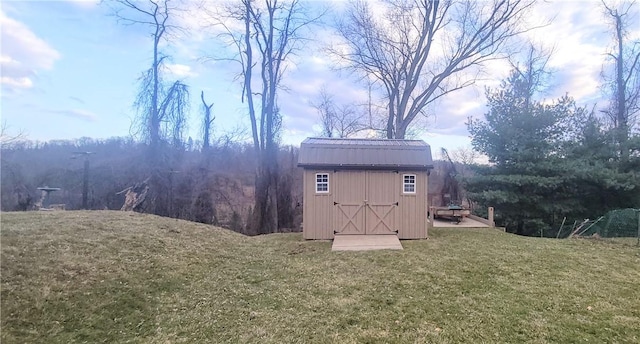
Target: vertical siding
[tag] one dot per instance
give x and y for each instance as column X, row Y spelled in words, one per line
column 349, row 192
column 382, row 193
column 423, row 207
column 413, row 209
column 425, row 216
column 421, row 211
column 317, row 208
column 350, row 188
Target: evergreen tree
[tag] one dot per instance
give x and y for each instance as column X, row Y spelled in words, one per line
column 600, row 180
column 548, row 161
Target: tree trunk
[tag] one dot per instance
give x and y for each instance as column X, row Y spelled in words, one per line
column 154, row 132
column 621, row 118
column 265, row 210
column 400, row 132
column 390, row 119
column 85, row 185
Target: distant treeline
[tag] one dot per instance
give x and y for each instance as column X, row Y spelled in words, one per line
column 213, row 185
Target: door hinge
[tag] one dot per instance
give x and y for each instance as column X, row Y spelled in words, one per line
column 396, row 204
column 335, row 203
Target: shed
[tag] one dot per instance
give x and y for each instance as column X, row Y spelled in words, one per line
column 365, row 186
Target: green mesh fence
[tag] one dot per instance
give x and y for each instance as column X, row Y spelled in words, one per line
column 621, row 223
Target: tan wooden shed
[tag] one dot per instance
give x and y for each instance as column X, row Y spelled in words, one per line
column 365, row 186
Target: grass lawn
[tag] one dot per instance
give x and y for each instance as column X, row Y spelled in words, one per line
column 106, row 276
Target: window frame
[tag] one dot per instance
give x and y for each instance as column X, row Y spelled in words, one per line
column 405, row 184
column 318, row 182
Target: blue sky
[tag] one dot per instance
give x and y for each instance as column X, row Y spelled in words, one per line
column 69, row 70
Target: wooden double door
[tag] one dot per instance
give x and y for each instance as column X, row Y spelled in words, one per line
column 365, row 202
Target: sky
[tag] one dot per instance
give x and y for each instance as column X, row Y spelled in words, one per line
column 69, row 69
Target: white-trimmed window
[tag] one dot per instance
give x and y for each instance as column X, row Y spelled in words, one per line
column 322, row 182
column 409, row 183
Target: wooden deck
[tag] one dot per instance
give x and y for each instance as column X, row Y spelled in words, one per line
column 466, row 222
column 348, row 242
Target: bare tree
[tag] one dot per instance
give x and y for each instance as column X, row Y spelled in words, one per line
column 325, row 107
column 172, row 113
column 207, row 122
column 533, row 71
column 162, row 107
column 465, row 155
column 338, row 120
column 625, row 82
column 271, row 32
column 6, row 137
column 421, row 50
column 464, row 158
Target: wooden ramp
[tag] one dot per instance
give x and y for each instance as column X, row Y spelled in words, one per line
column 346, row 242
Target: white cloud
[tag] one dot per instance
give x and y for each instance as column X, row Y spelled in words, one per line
column 179, row 70
column 16, row 83
column 22, row 55
column 579, row 37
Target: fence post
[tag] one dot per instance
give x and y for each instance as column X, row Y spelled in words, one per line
column 490, row 217
column 638, row 211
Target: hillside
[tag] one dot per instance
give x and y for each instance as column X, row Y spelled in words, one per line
column 106, row 276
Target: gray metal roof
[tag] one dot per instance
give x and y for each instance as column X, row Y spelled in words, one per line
column 365, row 153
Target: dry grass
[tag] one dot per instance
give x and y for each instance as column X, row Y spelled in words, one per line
column 72, row 277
